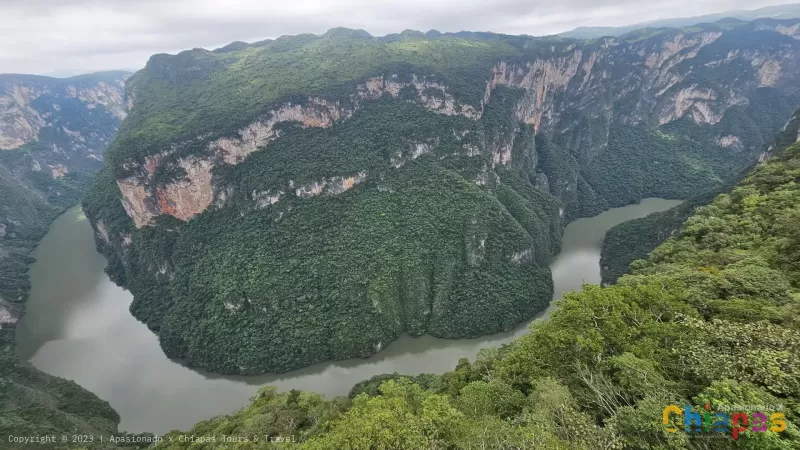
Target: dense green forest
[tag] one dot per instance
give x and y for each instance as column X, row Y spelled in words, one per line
column 32, row 402
column 635, row 239
column 419, row 183
column 710, row 318
column 419, row 249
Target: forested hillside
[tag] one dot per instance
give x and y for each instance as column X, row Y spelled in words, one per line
column 709, row 320
column 635, row 239
column 264, row 201
column 53, row 133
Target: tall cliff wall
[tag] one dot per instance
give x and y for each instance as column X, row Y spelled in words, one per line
column 313, row 198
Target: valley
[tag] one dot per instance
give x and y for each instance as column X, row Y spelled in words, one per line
column 363, row 237
column 416, row 182
column 78, row 327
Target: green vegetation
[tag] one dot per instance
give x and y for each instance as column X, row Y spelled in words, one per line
column 33, row 403
column 447, row 223
column 709, row 318
column 417, row 249
column 635, row 239
column 225, row 90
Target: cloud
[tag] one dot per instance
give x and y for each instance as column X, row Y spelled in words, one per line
column 45, row 36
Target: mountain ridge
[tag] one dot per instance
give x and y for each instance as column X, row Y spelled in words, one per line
column 259, row 144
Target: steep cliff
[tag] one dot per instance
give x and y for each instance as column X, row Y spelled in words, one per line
column 263, row 202
column 53, row 133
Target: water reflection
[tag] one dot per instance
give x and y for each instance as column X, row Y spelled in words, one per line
column 77, row 326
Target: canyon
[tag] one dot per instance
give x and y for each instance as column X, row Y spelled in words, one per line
column 420, row 192
column 53, row 133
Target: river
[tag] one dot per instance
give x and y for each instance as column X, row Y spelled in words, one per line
column 77, row 326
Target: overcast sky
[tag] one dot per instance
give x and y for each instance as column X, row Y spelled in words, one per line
column 73, row 36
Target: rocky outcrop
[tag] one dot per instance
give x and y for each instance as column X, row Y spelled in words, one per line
column 769, row 72
column 330, row 186
column 30, row 103
column 194, row 193
column 266, row 199
column 541, row 79
column 189, row 196
column 729, row 141
column 430, row 94
column 698, row 102
column 19, row 121
column 183, row 198
column 679, row 48
column 787, row 30
column 58, row 170
column 317, row 113
column 109, row 95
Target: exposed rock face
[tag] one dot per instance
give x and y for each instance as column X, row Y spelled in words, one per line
column 331, row 186
column 266, row 199
column 9, row 314
column 530, row 137
column 523, row 257
column 430, row 94
column 189, row 196
column 182, row 199
column 317, row 113
column 58, row 170
column 193, row 194
column 769, row 72
column 653, row 72
column 695, row 101
column 19, row 121
column 135, row 200
column 30, row 103
column 102, row 231
column 671, row 52
column 541, row 79
column 729, row 141
column 788, row 30
column 109, row 95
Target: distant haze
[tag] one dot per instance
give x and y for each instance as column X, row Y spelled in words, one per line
column 64, row 37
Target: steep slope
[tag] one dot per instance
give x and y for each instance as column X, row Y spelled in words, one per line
column 53, row 133
column 708, row 323
column 263, row 202
column 635, row 239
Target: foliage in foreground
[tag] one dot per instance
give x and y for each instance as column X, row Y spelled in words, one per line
column 635, row 239
column 709, row 318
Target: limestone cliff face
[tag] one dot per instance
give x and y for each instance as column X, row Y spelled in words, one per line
column 658, row 80
column 575, row 92
column 20, row 122
column 193, row 193
column 654, row 82
column 30, row 103
column 262, row 185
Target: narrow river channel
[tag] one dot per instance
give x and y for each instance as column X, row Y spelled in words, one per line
column 77, row 326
